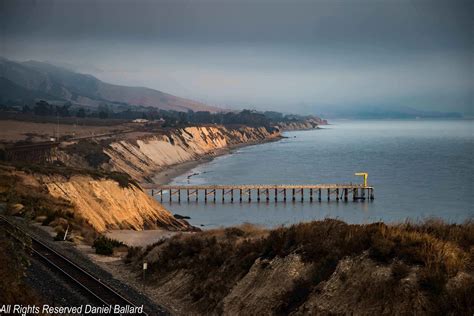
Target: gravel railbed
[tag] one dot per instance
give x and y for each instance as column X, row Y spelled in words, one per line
column 51, row 287
column 68, row 250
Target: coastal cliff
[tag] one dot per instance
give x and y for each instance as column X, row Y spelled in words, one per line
column 95, row 179
column 89, row 173
column 311, row 123
column 62, row 196
column 142, row 157
column 105, row 204
column 143, row 154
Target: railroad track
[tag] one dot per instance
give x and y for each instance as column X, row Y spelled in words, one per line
column 94, row 288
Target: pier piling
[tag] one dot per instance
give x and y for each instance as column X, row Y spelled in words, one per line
column 342, row 191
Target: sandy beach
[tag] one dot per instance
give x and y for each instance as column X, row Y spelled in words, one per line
column 167, row 175
column 143, row 238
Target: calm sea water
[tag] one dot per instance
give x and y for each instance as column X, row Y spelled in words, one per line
column 419, row 169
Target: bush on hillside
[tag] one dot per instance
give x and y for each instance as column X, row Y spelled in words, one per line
column 91, row 151
column 105, row 246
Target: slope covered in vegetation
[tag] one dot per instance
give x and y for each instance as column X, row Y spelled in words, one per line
column 88, row 201
column 319, row 267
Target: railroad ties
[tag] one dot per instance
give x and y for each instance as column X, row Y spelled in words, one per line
column 263, row 193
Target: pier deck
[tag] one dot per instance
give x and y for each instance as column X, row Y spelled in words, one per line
column 264, row 192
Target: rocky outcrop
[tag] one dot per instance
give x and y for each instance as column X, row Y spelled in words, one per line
column 302, row 125
column 142, row 157
column 104, row 204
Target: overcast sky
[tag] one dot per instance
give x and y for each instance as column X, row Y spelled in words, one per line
column 294, row 56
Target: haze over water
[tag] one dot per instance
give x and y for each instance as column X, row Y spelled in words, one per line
column 419, row 169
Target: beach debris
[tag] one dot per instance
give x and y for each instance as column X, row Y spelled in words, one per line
column 194, row 174
column 177, row 216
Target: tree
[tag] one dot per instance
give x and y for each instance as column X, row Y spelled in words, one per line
column 26, row 109
column 81, row 113
column 43, row 108
column 103, row 111
column 63, row 110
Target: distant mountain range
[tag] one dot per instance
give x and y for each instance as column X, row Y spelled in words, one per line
column 24, row 82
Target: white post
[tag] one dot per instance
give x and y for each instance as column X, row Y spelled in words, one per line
column 65, row 234
column 145, row 266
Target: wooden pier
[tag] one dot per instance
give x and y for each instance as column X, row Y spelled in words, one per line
column 263, row 193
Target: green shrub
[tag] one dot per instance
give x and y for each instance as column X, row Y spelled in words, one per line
column 105, row 246
column 92, row 152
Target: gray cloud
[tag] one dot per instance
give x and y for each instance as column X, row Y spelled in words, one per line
column 264, row 53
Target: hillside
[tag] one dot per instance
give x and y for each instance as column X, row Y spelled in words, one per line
column 34, row 79
column 318, row 268
column 90, row 202
column 11, row 91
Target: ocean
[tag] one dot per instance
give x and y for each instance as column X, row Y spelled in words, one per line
column 419, row 168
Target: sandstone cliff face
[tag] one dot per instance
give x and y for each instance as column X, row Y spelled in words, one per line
column 297, row 126
column 142, row 157
column 104, row 204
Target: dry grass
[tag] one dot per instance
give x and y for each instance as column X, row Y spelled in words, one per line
column 13, row 289
column 15, row 130
column 217, row 259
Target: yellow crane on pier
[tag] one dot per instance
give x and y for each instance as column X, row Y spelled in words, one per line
column 363, row 174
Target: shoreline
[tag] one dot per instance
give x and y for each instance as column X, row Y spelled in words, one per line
column 171, row 172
